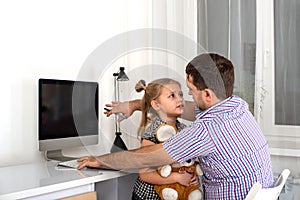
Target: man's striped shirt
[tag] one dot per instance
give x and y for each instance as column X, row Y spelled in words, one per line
column 231, row 148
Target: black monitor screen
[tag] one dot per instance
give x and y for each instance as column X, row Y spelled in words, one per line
column 67, row 108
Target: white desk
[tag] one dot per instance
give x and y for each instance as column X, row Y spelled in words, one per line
column 44, row 181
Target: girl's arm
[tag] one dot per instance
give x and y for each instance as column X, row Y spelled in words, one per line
column 151, row 175
column 154, row 178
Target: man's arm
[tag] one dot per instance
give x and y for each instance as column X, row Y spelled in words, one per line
column 128, row 107
column 144, row 157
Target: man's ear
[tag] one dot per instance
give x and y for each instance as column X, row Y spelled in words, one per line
column 207, row 95
column 155, row 105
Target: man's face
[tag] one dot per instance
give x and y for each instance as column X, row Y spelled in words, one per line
column 196, row 94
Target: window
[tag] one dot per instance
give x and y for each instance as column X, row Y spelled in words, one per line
column 278, row 72
column 228, row 28
column 262, row 39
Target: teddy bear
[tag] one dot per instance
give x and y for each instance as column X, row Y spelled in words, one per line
column 177, row 191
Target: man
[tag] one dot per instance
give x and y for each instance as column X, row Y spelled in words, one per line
column 229, row 144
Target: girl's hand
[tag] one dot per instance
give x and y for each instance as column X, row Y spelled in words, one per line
column 194, row 181
column 183, row 178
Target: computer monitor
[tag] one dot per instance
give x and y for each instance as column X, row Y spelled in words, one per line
column 67, row 116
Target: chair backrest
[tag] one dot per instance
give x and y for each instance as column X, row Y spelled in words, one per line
column 257, row 192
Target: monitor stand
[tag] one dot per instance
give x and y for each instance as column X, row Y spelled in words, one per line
column 57, row 155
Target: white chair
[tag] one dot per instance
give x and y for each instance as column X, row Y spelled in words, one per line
column 257, row 192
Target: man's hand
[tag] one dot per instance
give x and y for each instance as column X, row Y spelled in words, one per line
column 125, row 109
column 89, row 161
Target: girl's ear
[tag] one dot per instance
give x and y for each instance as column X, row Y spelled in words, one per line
column 155, row 105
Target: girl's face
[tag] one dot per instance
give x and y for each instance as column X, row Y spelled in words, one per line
column 170, row 103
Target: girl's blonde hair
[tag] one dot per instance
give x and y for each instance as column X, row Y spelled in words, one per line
column 152, row 92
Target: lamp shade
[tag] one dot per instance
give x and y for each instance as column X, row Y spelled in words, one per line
column 122, row 75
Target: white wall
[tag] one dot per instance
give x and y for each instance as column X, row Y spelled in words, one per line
column 53, row 39
column 49, row 39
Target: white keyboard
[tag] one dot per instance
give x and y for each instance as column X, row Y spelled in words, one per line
column 74, row 164
column 70, row 163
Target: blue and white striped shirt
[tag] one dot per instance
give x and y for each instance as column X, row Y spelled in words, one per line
column 231, row 148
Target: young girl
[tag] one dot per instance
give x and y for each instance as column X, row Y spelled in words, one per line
column 163, row 101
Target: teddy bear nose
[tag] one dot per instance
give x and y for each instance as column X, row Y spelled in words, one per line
column 189, row 161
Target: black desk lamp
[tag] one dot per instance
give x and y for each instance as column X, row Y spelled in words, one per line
column 118, row 144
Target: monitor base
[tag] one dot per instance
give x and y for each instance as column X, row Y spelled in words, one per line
column 57, row 155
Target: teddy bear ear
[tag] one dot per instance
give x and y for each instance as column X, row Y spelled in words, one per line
column 165, row 131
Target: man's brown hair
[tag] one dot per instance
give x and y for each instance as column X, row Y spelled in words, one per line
column 214, row 72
